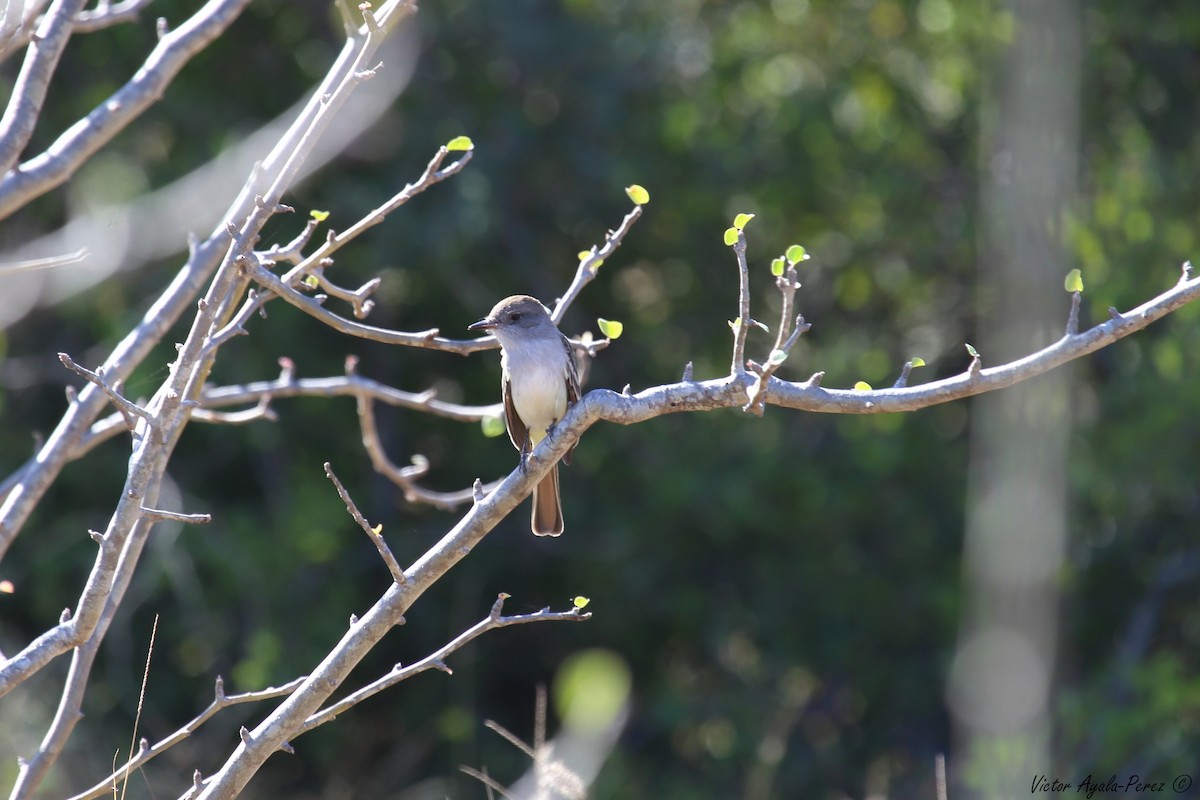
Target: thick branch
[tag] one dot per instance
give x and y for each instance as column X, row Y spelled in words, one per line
column 811, row 396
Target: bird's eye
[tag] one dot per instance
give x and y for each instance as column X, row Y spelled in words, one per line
column 514, row 317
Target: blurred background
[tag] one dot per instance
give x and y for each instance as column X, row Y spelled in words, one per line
column 781, row 602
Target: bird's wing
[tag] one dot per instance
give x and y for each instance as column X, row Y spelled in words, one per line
column 517, row 432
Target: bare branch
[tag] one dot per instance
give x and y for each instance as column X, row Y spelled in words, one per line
column 375, row 535
column 432, row 175
column 486, row 780
column 84, row 631
column 220, row 701
column 128, row 409
column 302, row 709
column 262, row 411
column 293, row 251
column 590, row 266
column 162, row 515
column 357, row 298
column 427, row 339
column 436, row 659
column 50, row 262
column 785, row 340
column 104, row 15
column 237, row 326
column 107, row 14
column 148, row 463
column 350, row 385
column 52, row 168
column 905, row 371
column 811, row 396
column 406, row 478
column 737, row 366
column 510, row 737
column 29, row 92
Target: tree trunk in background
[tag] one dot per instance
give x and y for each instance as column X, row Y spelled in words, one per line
column 1000, row 685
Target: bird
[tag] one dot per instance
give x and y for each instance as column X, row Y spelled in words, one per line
column 538, row 383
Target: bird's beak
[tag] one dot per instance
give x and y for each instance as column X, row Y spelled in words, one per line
column 484, row 324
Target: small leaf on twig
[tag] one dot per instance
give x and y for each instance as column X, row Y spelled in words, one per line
column 918, row 362
column 777, row 357
column 311, row 281
column 492, row 427
column 610, row 327
column 740, row 221
column 580, row 601
column 1074, row 281
column 777, row 267
column 731, row 236
column 319, row 216
column 862, row 386
column 460, row 143
column 637, row 194
column 971, row 351
column 796, row 254
column 377, row 530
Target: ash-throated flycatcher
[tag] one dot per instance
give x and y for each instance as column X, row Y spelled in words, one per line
column 539, row 383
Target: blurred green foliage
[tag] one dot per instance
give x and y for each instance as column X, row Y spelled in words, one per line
column 785, row 590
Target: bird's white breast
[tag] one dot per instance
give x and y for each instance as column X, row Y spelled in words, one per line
column 538, row 381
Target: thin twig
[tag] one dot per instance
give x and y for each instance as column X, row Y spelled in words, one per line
column 486, row 780
column 404, row 477
column 785, row 340
column 128, row 409
column 141, row 701
column 220, row 701
column 590, row 265
column 741, row 325
column 237, row 326
column 359, row 299
column 428, row 339
column 259, row 412
column 350, row 385
column 162, row 515
column 374, row 534
column 293, row 251
column 1073, row 316
column 437, row 659
column 905, row 372
column 49, row 262
column 432, row 175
